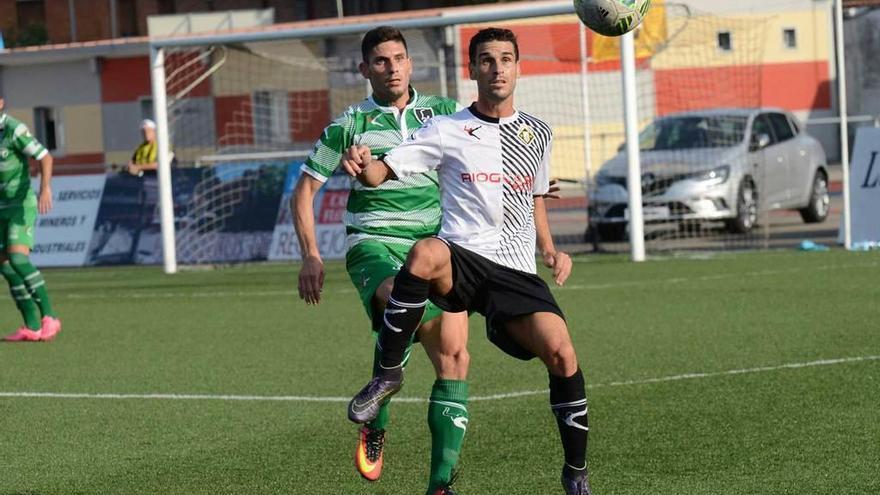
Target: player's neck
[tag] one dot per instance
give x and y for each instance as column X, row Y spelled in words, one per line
column 496, row 109
column 400, row 102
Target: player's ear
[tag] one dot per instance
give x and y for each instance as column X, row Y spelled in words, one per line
column 472, row 70
column 362, row 67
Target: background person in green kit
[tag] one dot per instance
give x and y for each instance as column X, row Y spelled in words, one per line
column 381, row 226
column 18, row 214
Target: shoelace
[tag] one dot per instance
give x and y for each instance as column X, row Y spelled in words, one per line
column 375, row 441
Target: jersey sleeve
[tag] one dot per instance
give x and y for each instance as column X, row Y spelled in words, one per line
column 542, row 177
column 328, row 150
column 24, row 141
column 420, row 153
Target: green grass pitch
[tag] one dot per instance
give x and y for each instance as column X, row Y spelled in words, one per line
column 736, row 374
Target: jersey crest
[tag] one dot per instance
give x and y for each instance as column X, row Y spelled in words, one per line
column 525, row 134
column 423, row 113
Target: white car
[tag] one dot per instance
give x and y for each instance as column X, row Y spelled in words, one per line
column 716, row 165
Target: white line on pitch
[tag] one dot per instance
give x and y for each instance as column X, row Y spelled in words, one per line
column 610, row 285
column 493, row 397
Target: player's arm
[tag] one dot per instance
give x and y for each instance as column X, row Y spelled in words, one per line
column 45, row 198
column 558, row 261
column 359, row 163
column 311, row 274
column 25, row 142
column 315, row 171
column 420, row 153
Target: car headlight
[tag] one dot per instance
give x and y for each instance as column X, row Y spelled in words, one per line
column 718, row 175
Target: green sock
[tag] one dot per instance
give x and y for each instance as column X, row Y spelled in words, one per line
column 33, row 279
column 23, row 300
column 382, row 419
column 448, row 419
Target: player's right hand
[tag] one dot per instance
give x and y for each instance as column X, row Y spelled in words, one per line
column 311, row 279
column 355, row 159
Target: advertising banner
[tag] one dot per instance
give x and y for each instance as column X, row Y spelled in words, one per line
column 864, row 188
column 63, row 235
column 329, row 208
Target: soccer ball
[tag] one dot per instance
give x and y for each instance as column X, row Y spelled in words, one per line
column 612, row 17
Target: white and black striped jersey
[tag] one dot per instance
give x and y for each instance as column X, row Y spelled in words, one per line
column 490, row 170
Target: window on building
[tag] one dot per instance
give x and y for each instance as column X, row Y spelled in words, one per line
column 725, row 41
column 789, row 38
column 47, row 127
column 30, row 12
column 271, row 117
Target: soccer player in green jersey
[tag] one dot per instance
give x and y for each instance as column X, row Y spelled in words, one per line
column 18, row 213
column 382, row 224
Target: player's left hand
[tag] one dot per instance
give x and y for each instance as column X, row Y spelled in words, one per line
column 355, row 159
column 44, row 203
column 552, row 193
column 560, row 263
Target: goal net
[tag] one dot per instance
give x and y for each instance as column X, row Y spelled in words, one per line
column 244, row 114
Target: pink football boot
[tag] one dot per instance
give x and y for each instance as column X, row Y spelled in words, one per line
column 51, row 327
column 23, row 334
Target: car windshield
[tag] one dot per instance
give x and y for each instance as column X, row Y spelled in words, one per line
column 689, row 132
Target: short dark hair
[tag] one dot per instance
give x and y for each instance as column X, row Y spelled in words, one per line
column 492, row 34
column 379, row 35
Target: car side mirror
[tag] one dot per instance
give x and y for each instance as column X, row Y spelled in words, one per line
column 759, row 142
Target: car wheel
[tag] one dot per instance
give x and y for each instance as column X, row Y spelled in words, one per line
column 820, row 201
column 746, row 209
column 612, row 232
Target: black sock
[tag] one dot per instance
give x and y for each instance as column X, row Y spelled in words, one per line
column 402, row 316
column 568, row 400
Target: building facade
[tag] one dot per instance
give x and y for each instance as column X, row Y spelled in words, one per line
column 89, row 97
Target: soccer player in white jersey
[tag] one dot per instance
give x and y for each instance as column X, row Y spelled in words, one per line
column 382, row 223
column 493, row 162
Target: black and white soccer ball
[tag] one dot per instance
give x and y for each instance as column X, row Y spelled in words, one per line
column 612, row 17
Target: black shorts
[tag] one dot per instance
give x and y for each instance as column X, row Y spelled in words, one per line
column 497, row 292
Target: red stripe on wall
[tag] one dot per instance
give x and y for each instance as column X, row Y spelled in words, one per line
column 185, row 69
column 309, row 112
column 796, row 86
column 233, row 116
column 125, row 79
column 73, row 164
column 793, row 86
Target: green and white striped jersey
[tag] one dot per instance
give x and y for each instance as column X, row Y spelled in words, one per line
column 398, row 211
column 16, row 145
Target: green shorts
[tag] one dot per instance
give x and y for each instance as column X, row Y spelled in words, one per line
column 371, row 262
column 17, row 223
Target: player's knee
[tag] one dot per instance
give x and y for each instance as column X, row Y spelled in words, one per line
column 7, row 271
column 423, row 258
column 560, row 358
column 19, row 261
column 453, row 365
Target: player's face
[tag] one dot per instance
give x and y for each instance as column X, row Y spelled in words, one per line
column 389, row 69
column 149, row 133
column 495, row 70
